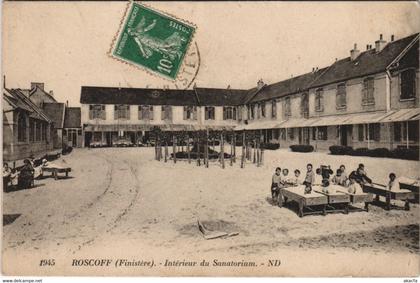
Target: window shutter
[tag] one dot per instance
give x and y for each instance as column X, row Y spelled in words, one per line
column 206, row 113
column 162, row 112
column 195, row 112
column 185, row 112
column 234, row 113
column 140, row 113
column 151, row 112
column 224, row 113
column 169, row 109
column 115, row 112
column 90, row 113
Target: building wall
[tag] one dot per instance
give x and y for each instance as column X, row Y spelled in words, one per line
column 177, row 117
column 354, row 94
column 323, row 145
column 16, row 150
column 218, row 115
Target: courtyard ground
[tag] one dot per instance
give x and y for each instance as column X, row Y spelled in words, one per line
column 120, row 203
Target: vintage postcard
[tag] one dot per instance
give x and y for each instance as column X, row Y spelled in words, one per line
column 265, row 139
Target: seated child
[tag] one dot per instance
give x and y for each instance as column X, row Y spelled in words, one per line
column 394, row 184
column 309, row 179
column 354, row 187
column 286, row 178
column 276, row 184
column 343, row 171
column 297, row 180
column 361, row 176
column 339, row 178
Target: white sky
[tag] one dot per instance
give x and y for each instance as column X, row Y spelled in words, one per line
column 65, row 44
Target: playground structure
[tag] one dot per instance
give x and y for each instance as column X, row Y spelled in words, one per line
column 201, row 145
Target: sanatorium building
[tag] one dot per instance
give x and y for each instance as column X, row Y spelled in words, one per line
column 369, row 99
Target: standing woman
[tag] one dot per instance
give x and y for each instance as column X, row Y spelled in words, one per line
column 26, row 175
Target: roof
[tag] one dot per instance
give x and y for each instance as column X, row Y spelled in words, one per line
column 72, row 118
column 25, row 102
column 221, row 97
column 34, row 90
column 14, row 101
column 56, row 113
column 137, row 96
column 367, row 63
column 286, row 87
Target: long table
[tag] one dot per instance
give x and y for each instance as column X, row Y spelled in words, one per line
column 297, row 194
column 410, row 184
column 358, row 197
column 381, row 190
column 335, row 199
column 55, row 170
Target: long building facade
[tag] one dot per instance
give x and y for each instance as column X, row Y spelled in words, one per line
column 367, row 100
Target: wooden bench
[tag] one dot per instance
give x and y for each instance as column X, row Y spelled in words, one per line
column 381, row 190
column 297, row 194
column 56, row 170
column 335, row 197
column 359, row 197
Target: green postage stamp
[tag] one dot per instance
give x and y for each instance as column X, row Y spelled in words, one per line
column 153, row 40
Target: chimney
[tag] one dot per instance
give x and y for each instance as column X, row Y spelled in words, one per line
column 354, row 52
column 392, row 38
column 380, row 44
column 39, row 85
column 313, row 70
column 51, row 93
column 260, row 84
column 67, row 103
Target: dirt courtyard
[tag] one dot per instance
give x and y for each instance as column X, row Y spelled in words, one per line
column 119, row 203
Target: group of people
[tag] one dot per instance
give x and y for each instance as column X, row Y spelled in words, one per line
column 324, row 177
column 24, row 177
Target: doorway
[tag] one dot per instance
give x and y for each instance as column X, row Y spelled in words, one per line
column 343, row 135
column 304, row 136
